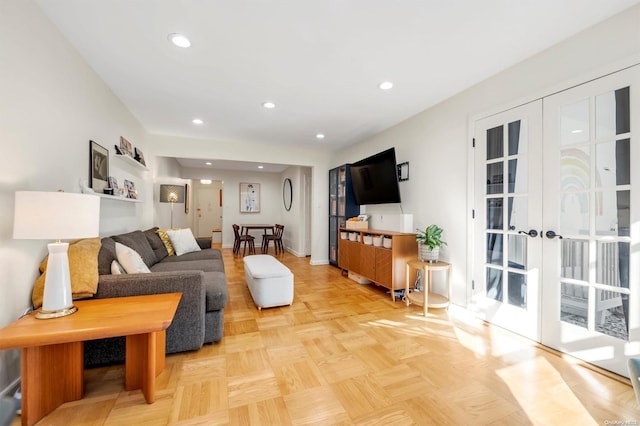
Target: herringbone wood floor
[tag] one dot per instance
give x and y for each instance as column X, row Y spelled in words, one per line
column 345, row 354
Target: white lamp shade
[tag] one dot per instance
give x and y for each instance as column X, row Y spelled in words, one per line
column 55, row 215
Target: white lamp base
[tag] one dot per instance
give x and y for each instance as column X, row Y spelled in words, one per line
column 57, row 301
column 56, row 314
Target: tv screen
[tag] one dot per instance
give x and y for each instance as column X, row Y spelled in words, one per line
column 375, row 179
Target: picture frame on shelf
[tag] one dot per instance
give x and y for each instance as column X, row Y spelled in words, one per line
column 131, row 189
column 249, row 197
column 126, row 147
column 139, row 157
column 113, row 183
column 98, row 166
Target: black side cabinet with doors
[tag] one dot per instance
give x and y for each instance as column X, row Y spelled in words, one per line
column 342, row 205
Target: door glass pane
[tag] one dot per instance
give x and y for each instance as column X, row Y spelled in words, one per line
column 518, row 142
column 574, row 214
column 612, row 113
column 613, row 163
column 575, row 259
column 612, row 263
column 517, row 256
column 494, row 213
column 494, row 249
column 612, row 313
column 574, row 123
column 518, row 174
column 613, row 213
column 495, row 178
column 574, row 169
column 517, row 211
column 517, row 287
column 495, row 142
column 574, row 304
column 494, row 284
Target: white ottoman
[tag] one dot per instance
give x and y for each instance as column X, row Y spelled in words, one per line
column 270, row 282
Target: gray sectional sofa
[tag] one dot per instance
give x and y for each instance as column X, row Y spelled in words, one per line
column 199, row 276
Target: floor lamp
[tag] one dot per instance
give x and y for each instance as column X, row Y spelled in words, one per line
column 171, row 194
column 56, row 216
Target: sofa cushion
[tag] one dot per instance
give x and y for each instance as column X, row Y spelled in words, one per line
column 138, row 241
column 130, row 260
column 158, row 247
column 206, row 265
column 106, row 255
column 210, row 254
column 216, row 290
column 183, row 241
column 162, row 233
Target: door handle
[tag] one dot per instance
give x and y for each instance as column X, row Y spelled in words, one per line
column 531, row 233
column 552, row 234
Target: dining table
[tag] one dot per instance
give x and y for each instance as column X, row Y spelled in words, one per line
column 246, row 227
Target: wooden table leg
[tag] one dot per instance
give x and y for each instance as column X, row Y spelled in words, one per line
column 51, row 376
column 141, row 362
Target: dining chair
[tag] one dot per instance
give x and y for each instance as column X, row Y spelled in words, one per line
column 276, row 237
column 239, row 239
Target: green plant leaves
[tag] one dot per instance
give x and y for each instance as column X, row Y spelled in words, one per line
column 431, row 236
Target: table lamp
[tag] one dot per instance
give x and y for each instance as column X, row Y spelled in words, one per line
column 56, row 216
column 171, row 194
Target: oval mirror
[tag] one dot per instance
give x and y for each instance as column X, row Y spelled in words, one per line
column 287, row 194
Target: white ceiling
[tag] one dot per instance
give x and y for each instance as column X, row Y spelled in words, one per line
column 320, row 61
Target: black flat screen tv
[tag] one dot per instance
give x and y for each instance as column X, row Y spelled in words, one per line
column 375, row 179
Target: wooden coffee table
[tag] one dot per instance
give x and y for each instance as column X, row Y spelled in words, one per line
column 53, row 350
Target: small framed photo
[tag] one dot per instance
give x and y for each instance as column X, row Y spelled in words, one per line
column 249, row 198
column 125, row 147
column 139, row 157
column 113, row 183
column 98, row 167
column 131, row 189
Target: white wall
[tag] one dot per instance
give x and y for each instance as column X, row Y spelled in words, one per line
column 51, row 105
column 437, row 142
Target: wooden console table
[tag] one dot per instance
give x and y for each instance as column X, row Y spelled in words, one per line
column 53, row 352
column 426, row 298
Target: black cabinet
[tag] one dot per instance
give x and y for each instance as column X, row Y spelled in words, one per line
column 342, row 205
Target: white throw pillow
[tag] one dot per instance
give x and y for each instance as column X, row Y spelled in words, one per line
column 183, row 241
column 130, row 260
column 116, row 268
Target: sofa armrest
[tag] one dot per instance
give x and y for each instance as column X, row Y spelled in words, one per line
column 186, row 331
column 204, row 243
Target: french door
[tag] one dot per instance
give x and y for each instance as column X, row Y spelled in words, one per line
column 557, row 227
column 508, row 194
column 591, row 201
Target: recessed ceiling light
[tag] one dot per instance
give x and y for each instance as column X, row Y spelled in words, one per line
column 179, row 40
column 320, row 136
column 268, row 105
column 385, row 85
column 261, row 167
column 208, row 163
column 197, row 121
column 205, row 181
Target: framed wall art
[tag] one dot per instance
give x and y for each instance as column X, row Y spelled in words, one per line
column 187, row 198
column 98, row 167
column 249, row 198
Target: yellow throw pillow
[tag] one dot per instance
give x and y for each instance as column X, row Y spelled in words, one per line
column 83, row 270
column 165, row 239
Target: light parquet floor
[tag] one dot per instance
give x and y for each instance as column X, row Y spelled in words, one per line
column 345, row 354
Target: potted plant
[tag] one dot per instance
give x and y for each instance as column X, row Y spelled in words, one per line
column 429, row 243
